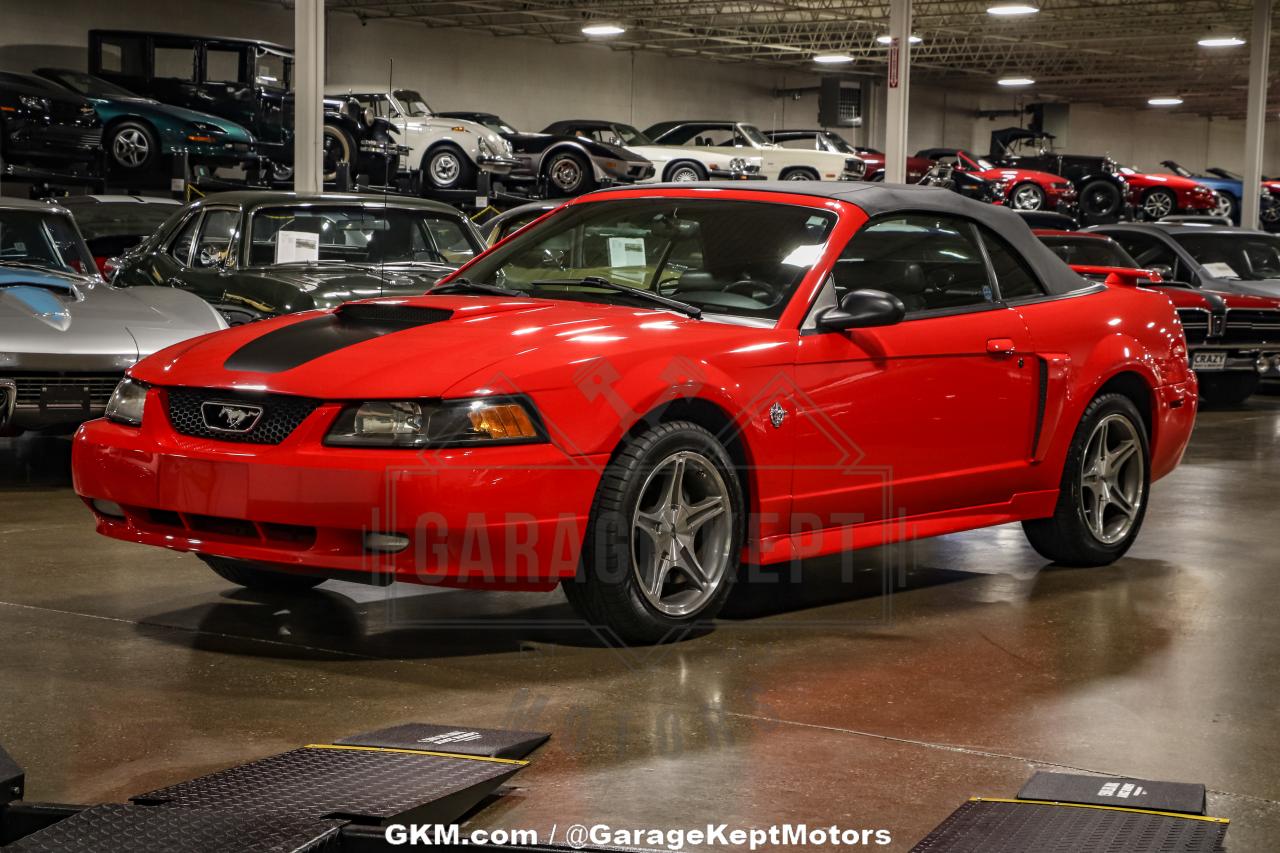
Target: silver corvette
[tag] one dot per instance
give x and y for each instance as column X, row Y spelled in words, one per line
column 66, row 336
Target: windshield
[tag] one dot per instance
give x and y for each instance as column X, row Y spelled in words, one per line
column 106, row 219
column 1182, row 171
column 412, row 104
column 272, row 69
column 754, row 135
column 495, row 124
column 360, row 235
column 626, row 135
column 726, row 257
column 1229, row 175
column 94, row 87
column 43, row 239
column 1090, row 251
column 836, row 143
column 1246, row 257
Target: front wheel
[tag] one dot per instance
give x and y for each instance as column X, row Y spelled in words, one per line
column 569, row 174
column 133, row 147
column 1226, row 206
column 257, row 577
column 662, row 542
column 686, row 172
column 1227, row 389
column 799, row 175
column 338, row 147
column 1158, row 204
column 1103, row 496
column 1027, row 197
column 1100, row 200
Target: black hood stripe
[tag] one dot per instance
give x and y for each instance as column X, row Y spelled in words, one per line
column 298, row 343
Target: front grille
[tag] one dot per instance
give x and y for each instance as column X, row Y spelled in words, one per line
column 1252, row 327
column 1195, row 324
column 64, row 389
column 281, row 414
column 855, row 166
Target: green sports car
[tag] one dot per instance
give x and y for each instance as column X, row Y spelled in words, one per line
column 137, row 131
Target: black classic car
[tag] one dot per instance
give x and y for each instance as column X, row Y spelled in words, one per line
column 568, row 165
column 256, row 254
column 46, row 126
column 1102, row 191
column 248, row 82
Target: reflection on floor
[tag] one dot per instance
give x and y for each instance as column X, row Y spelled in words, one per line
column 879, row 691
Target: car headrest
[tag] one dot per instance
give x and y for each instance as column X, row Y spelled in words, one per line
column 893, row 276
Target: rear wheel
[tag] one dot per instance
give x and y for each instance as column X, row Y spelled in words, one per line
column 662, row 542
column 257, row 577
column 1100, row 200
column 1027, row 196
column 1227, row 389
column 1158, row 204
column 1103, row 495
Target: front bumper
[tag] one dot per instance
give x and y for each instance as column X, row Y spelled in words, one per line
column 609, row 171
column 752, row 174
column 497, row 165
column 500, row 518
column 57, row 142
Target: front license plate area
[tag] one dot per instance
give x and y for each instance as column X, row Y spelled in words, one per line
column 1209, row 361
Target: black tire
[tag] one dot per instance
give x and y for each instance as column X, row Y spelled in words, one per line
column 1066, row 537
column 560, row 167
column 606, row 591
column 132, row 147
column 338, row 146
column 1228, row 206
column 1027, row 196
column 1100, row 200
column 446, row 167
column 1227, row 389
column 685, row 170
column 798, row 173
column 1159, row 203
column 256, row 577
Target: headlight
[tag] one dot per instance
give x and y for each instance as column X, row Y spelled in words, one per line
column 738, row 164
column 125, row 405
column 205, row 127
column 424, row 423
column 31, row 102
column 485, row 148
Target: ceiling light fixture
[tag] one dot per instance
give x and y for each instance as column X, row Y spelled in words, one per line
column 1220, row 41
column 1164, row 102
column 832, row 58
column 886, row 39
column 600, row 29
column 1012, row 9
column 1015, row 81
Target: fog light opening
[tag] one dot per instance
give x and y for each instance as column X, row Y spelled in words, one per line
column 108, row 508
column 386, row 543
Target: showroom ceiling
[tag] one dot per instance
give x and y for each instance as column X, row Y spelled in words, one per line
column 1119, row 52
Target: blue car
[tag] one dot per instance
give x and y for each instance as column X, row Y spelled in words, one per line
column 1228, row 186
column 137, row 131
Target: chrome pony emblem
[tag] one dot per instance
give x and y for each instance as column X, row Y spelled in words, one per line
column 777, row 415
column 230, row 417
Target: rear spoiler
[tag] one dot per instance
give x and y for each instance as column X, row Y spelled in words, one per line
column 1119, row 275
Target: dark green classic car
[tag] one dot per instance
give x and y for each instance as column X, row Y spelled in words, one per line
column 257, row 254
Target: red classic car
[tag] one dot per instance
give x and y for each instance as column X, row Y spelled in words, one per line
column 1156, row 196
column 917, row 167
column 1024, row 189
column 1226, row 350
column 650, row 387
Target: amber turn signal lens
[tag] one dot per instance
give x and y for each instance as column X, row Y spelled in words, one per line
column 508, row 420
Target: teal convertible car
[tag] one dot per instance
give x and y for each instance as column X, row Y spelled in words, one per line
column 137, row 131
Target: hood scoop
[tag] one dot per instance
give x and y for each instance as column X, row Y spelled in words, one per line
column 298, row 343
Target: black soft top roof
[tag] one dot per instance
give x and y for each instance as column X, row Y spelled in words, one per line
column 877, row 199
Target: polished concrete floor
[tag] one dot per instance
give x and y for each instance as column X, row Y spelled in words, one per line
column 125, row 668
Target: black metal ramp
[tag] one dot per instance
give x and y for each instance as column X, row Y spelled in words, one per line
column 985, row 825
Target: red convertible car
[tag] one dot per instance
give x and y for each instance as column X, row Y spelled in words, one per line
column 650, row 387
column 1156, row 196
column 1024, row 189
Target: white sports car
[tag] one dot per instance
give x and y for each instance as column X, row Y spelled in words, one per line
column 670, row 162
column 776, row 162
column 447, row 153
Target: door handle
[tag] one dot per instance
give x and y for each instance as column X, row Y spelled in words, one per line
column 1000, row 346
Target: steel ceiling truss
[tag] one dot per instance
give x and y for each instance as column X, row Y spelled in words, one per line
column 1117, row 52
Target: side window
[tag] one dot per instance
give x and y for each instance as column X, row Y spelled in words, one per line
column 1013, row 275
column 803, row 144
column 1146, row 250
column 180, row 248
column 221, row 65
column 451, row 242
column 175, row 62
column 123, row 55
column 929, row 261
column 216, row 235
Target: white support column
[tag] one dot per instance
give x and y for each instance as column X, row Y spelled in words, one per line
column 308, row 95
column 898, row 87
column 1256, row 122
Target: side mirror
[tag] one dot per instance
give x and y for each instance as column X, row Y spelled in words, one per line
column 1163, row 270
column 862, row 309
